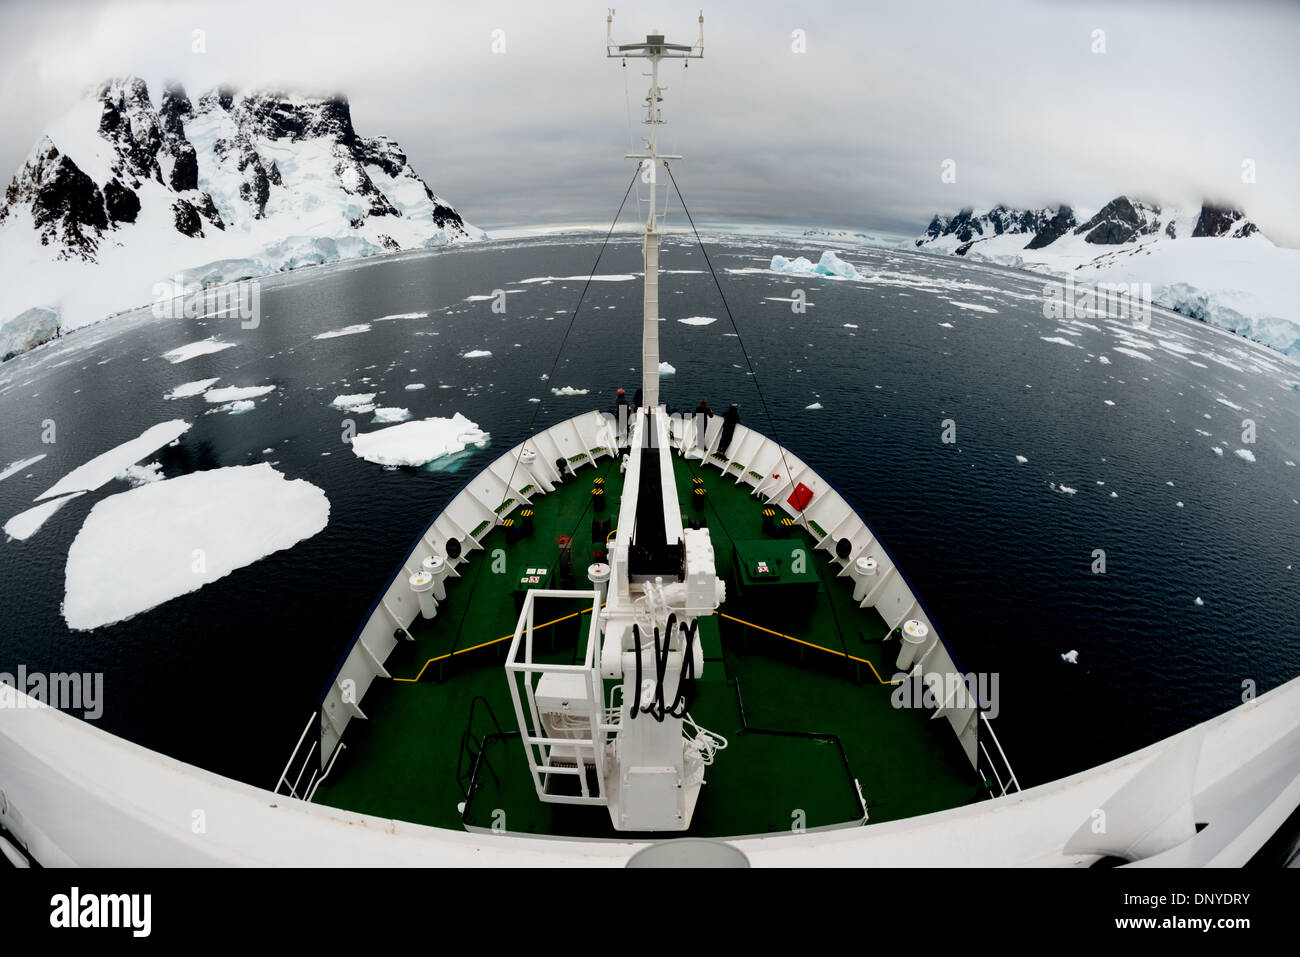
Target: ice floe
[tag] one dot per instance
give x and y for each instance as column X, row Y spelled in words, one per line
column 391, row 414
column 814, row 406
column 1021, row 459
column 238, row 407
column 699, row 320
column 357, row 402
column 236, row 393
column 345, row 331
column 1071, row 657
column 15, row 467
column 140, row 474
column 667, row 369
column 26, row 524
column 403, row 315
column 414, row 386
column 102, row 468
column 201, row 348
column 190, row 389
column 1060, row 341
column 477, row 354
column 140, row 548
column 569, row 390
column 419, row 442
column 1246, row 455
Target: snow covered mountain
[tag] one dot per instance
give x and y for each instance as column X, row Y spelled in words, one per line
column 1122, row 220
column 1206, row 261
column 120, row 194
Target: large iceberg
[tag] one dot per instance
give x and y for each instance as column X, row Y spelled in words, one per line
column 829, row 265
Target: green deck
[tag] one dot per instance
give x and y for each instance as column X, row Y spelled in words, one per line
column 402, row 762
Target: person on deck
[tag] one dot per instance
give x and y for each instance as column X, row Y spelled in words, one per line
column 702, row 415
column 729, row 422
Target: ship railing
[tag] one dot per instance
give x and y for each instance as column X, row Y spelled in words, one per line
column 297, row 766
column 1005, row 778
column 553, row 748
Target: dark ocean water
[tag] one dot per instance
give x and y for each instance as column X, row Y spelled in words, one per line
column 1000, row 551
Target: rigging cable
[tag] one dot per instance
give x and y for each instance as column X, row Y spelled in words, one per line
column 732, row 319
column 568, row 329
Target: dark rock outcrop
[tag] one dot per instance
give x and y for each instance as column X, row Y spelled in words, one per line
column 1053, row 229
column 1223, row 221
column 121, row 203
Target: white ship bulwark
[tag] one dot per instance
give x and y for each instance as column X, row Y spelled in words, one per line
column 71, row 794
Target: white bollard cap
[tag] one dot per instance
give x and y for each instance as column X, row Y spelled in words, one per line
column 435, row 565
column 866, row 566
column 598, row 572
column 421, row 582
column 915, row 632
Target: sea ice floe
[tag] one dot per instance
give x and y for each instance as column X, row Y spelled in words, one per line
column 1060, row 341
column 972, row 306
column 1071, row 657
column 850, row 325
column 360, row 402
column 345, row 331
column 611, row 277
column 477, row 354
column 15, row 467
column 1246, row 455
column 201, row 348
column 1063, row 489
column 1021, row 459
column 189, row 389
column 1108, row 401
column 236, row 393
column 420, row 442
column 943, row 325
column 1103, row 360
column 238, row 407
column 404, row 315
column 140, row 548
column 140, row 474
column 414, row 386
column 1134, row 353
column 26, row 524
column 1198, row 601
column 391, row 414
column 666, row 369
column 102, row 468
column 814, row 406
column 699, row 320
column 569, row 390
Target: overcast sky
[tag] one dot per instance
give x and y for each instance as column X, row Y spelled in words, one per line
column 853, row 132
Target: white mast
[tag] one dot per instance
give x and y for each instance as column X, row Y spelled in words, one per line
column 653, row 49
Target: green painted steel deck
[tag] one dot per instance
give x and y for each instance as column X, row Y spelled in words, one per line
column 802, row 718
